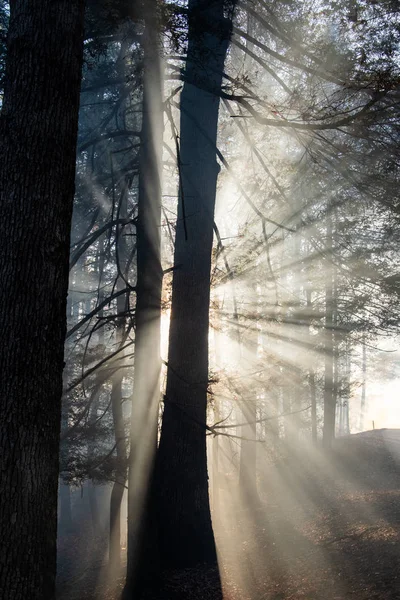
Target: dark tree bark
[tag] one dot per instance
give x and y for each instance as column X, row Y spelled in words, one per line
column 185, row 530
column 38, row 130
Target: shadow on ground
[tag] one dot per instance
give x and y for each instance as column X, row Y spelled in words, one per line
column 324, row 527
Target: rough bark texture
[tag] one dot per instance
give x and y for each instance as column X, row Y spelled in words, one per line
column 186, row 535
column 38, row 130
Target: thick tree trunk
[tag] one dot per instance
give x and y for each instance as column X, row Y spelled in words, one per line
column 185, row 530
column 142, row 520
column 38, row 130
column 123, row 261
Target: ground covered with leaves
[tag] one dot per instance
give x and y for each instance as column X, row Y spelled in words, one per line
column 325, row 527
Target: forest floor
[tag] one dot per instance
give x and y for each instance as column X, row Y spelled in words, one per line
column 325, row 527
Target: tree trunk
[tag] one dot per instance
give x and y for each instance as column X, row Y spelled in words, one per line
column 311, row 381
column 142, row 543
column 363, row 383
column 296, row 374
column 346, row 404
column 313, row 396
column 185, row 530
column 38, row 131
column 329, row 395
column 118, row 488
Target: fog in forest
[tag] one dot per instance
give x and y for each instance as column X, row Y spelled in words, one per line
column 230, row 414
column 304, row 251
